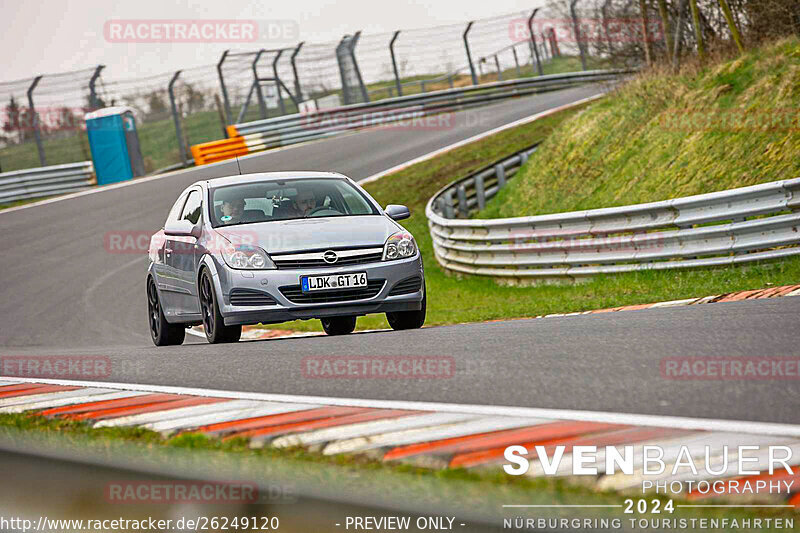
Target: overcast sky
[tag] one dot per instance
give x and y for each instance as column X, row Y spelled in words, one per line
column 50, row 36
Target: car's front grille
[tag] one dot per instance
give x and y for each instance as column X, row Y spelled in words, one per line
column 406, row 286
column 250, row 297
column 315, row 260
column 296, row 295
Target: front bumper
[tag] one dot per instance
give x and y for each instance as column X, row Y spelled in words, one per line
column 283, row 309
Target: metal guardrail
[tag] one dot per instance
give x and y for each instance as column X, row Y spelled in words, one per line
column 756, row 223
column 291, row 129
column 45, row 181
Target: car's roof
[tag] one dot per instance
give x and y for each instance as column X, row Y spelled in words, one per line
column 263, row 176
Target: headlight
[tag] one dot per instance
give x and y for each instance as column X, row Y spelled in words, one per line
column 399, row 246
column 246, row 257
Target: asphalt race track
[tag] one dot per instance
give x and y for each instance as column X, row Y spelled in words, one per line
column 62, row 292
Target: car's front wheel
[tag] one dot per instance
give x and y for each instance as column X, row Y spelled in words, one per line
column 409, row 319
column 339, row 325
column 213, row 323
column 162, row 332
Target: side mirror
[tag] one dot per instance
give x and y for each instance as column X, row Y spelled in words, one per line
column 181, row 228
column 397, row 212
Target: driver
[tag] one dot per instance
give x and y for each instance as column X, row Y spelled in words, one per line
column 232, row 211
column 304, row 202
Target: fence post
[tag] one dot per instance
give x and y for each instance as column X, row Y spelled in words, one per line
column 224, row 91
column 497, row 64
column 178, row 132
column 353, row 42
column 394, row 64
column 345, row 86
column 93, row 100
column 577, row 31
column 262, row 105
column 516, row 60
column 278, row 82
column 35, row 120
column 533, row 42
column 469, row 55
column 298, row 93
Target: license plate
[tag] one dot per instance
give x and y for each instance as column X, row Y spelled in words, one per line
column 333, row 282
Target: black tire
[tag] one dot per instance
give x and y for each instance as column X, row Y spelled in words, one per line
column 213, row 323
column 162, row 332
column 409, row 319
column 339, row 325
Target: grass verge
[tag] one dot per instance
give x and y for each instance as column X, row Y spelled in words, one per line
column 457, row 299
column 479, row 485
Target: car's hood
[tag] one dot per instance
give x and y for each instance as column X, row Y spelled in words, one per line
column 313, row 233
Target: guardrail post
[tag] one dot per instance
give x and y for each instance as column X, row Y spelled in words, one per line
column 278, row 81
column 469, row 54
column 480, row 192
column 35, row 121
column 353, row 43
column 224, row 91
column 577, row 31
column 262, row 105
column 500, row 172
column 448, row 204
column 497, row 65
column 463, row 207
column 394, row 64
column 533, row 42
column 298, row 93
column 174, row 107
column 94, row 101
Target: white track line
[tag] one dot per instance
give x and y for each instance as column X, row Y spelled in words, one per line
column 677, row 422
column 115, row 395
column 178, row 412
column 49, row 396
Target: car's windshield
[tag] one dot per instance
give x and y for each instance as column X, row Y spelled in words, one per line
column 264, row 201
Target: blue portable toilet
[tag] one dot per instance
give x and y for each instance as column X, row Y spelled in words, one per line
column 114, row 144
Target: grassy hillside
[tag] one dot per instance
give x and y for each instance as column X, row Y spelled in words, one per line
column 668, row 135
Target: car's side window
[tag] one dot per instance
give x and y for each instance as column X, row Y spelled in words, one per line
column 176, row 209
column 191, row 211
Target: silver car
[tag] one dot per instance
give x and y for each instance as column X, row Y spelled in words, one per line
column 278, row 246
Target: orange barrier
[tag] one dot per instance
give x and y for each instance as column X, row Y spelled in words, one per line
column 214, row 151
